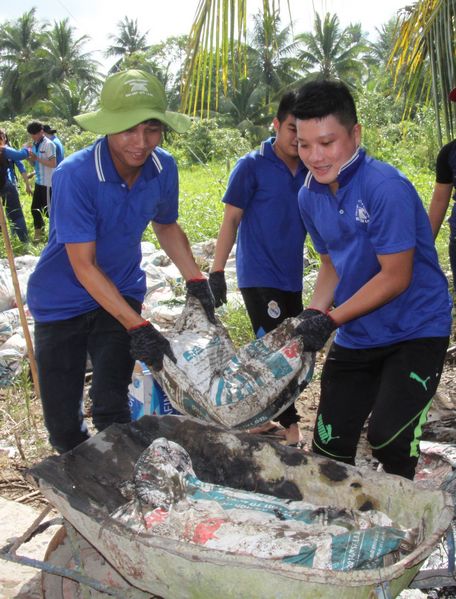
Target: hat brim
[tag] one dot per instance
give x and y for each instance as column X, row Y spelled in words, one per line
column 107, row 122
column 452, row 95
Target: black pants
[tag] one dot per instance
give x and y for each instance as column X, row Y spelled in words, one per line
column 394, row 384
column 61, row 355
column 267, row 308
column 40, row 204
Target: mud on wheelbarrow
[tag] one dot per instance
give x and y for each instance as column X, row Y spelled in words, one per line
column 83, row 485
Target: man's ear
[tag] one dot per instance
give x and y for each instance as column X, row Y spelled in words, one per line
column 276, row 123
column 357, row 130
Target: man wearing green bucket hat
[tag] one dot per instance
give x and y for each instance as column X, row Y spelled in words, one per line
column 87, row 289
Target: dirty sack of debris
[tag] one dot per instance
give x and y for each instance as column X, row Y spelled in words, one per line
column 167, row 499
column 214, row 382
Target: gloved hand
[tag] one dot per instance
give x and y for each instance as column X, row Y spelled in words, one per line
column 200, row 289
column 217, row 283
column 315, row 329
column 149, row 346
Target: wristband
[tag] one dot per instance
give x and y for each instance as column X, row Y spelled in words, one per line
column 197, row 280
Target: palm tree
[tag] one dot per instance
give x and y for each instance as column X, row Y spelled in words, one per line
column 270, row 54
column 330, row 52
column 129, row 40
column 68, row 99
column 217, row 46
column 244, row 109
column 19, row 42
column 61, row 57
column 426, row 49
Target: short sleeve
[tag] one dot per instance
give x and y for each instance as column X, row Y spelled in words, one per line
column 317, row 240
column 241, row 184
column 168, row 210
column 443, row 170
column 392, row 209
column 73, row 208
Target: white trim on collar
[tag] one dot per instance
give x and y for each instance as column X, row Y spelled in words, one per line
column 157, row 162
column 98, row 165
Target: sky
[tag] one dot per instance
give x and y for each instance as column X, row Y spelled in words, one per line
column 163, row 18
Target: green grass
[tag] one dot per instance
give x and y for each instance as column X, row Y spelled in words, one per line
column 200, row 206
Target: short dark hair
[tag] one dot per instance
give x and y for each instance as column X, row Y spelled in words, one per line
column 286, row 105
column 34, row 127
column 323, row 97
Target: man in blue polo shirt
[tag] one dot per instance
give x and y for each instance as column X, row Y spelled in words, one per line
column 379, row 285
column 87, row 289
column 261, row 201
column 51, row 134
column 9, row 190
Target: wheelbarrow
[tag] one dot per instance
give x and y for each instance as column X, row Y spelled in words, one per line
column 84, row 486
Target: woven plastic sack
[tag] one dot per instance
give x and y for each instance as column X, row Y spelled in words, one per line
column 170, row 501
column 214, row 382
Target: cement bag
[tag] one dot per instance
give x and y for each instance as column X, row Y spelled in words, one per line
column 170, row 501
column 236, row 389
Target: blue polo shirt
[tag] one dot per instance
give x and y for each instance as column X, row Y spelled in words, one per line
column 91, row 202
column 59, row 149
column 377, row 211
column 14, row 157
column 270, row 241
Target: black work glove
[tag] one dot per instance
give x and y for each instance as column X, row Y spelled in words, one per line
column 200, row 289
column 149, row 346
column 217, row 283
column 315, row 329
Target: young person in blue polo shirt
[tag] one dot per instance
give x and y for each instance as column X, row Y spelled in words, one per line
column 87, row 289
column 50, row 133
column 9, row 191
column 444, row 188
column 261, row 208
column 379, row 285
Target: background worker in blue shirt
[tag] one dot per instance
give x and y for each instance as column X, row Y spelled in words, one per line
column 380, row 271
column 9, row 191
column 444, row 188
column 261, row 208
column 87, row 289
column 50, row 133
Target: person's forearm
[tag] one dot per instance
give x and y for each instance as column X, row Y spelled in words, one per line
column 224, row 245
column 382, row 288
column 13, row 154
column 325, row 285
column 50, row 162
column 175, row 244
column 106, row 294
column 439, row 205
column 24, row 176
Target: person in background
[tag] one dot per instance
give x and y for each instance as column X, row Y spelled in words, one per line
column 43, row 157
column 379, row 285
column 261, row 209
column 51, row 134
column 87, row 289
column 445, row 185
column 9, row 191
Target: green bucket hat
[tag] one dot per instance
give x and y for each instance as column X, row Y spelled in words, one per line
column 129, row 98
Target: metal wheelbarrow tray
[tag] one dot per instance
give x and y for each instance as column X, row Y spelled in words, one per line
column 83, row 485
